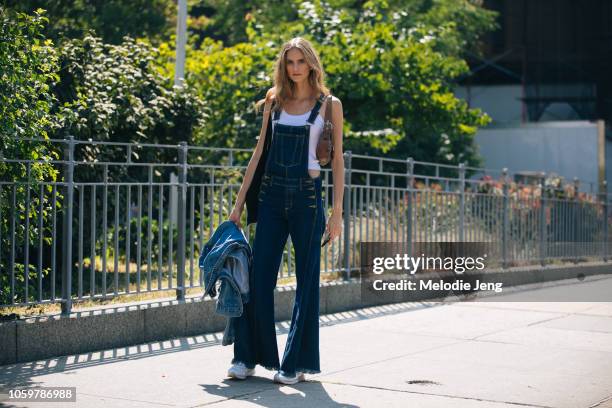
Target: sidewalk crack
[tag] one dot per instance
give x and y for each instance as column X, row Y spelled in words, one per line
column 598, row 404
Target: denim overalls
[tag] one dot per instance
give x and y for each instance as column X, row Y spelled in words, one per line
column 290, row 203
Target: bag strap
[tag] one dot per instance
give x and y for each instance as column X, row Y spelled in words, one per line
column 267, row 142
column 328, row 110
column 328, row 126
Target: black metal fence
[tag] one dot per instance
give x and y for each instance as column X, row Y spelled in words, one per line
column 109, row 227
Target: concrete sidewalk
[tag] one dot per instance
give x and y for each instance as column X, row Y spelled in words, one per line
column 468, row 354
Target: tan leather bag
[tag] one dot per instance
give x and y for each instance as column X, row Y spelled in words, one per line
column 325, row 147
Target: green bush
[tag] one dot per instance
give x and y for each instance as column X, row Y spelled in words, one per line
column 28, row 68
column 394, row 74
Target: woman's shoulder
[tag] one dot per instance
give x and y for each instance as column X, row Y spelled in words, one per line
column 336, row 102
column 334, row 98
column 270, row 94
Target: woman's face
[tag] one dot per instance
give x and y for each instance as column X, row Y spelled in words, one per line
column 297, row 68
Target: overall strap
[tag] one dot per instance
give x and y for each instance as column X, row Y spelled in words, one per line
column 277, row 114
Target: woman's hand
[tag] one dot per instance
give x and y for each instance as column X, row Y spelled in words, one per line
column 235, row 216
column 334, row 225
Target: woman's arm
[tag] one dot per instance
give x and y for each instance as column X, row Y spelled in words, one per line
column 252, row 166
column 334, row 226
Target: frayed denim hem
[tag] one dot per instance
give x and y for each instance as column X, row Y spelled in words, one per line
column 307, row 371
column 270, row 368
column 248, row 365
column 251, row 365
column 303, row 370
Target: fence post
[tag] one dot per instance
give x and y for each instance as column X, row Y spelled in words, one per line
column 575, row 212
column 506, row 208
column 346, row 214
column 461, row 201
column 409, row 188
column 182, row 215
column 604, row 200
column 543, row 224
column 67, row 227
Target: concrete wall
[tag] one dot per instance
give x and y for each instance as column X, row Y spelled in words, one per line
column 500, row 102
column 504, row 105
column 558, row 143
column 569, row 149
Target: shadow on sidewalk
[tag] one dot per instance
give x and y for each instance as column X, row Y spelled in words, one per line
column 22, row 374
column 261, row 391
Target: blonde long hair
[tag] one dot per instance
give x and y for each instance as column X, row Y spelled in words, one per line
column 283, row 85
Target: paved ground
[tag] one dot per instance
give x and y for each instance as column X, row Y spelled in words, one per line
column 468, row 354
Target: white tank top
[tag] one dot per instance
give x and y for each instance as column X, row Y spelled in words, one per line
column 316, row 129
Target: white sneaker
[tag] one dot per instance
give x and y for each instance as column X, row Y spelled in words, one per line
column 240, row 371
column 284, row 379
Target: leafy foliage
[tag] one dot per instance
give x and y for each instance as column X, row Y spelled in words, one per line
column 393, row 72
column 111, row 20
column 86, row 89
column 28, row 65
column 115, row 93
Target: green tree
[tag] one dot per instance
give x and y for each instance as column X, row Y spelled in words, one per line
column 28, row 68
column 87, row 89
column 394, row 74
column 116, row 93
column 111, row 20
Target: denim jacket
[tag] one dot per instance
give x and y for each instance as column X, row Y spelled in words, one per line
column 227, row 257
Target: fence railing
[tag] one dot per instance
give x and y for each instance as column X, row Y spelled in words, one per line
column 127, row 218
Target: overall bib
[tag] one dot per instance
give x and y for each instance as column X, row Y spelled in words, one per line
column 290, row 203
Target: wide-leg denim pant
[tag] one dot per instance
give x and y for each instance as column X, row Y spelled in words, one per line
column 288, row 207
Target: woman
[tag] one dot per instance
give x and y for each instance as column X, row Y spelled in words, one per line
column 290, row 203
